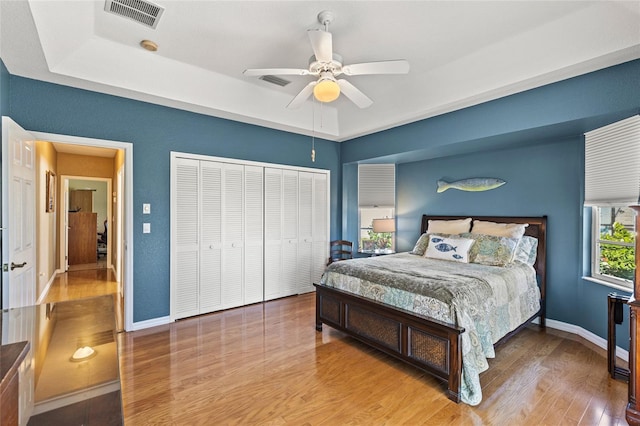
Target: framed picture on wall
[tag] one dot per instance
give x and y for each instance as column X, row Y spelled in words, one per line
column 51, row 192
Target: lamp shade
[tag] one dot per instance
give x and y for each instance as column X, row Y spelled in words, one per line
column 384, row 225
column 327, row 90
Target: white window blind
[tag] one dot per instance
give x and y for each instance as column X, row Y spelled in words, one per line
column 377, row 185
column 612, row 164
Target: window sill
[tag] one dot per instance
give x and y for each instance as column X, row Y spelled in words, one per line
column 609, row 284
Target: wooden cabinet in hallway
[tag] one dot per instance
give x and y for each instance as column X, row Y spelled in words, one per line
column 82, row 238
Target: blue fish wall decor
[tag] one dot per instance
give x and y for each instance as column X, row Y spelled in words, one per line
column 471, row 184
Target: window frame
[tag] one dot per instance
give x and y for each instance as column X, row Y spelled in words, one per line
column 385, row 212
column 596, row 242
column 376, row 191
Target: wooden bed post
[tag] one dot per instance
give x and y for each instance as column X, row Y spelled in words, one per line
column 633, row 408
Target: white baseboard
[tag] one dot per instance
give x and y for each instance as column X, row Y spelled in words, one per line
column 141, row 325
column 44, row 293
column 585, row 334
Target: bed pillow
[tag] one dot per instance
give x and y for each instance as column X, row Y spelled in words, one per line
column 527, row 250
column 491, row 249
column 455, row 249
column 421, row 245
column 456, row 226
column 509, row 230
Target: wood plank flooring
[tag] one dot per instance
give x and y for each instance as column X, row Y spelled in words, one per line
column 265, row 364
column 83, row 283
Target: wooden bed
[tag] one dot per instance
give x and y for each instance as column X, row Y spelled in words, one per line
column 421, row 341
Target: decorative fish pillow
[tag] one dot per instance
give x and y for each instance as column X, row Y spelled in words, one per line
column 455, row 249
column 423, row 242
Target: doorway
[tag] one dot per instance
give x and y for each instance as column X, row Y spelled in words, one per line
column 86, row 240
column 120, row 200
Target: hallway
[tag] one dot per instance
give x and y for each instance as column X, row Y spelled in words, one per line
column 86, row 283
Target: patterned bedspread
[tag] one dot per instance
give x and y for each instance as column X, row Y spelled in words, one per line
column 488, row 301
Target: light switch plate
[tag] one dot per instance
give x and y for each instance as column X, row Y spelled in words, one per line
column 146, row 228
column 146, row 208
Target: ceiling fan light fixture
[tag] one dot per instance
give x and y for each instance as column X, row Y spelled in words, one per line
column 327, row 90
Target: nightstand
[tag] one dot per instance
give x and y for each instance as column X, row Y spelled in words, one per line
column 373, row 253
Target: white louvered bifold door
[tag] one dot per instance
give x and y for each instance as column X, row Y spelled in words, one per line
column 211, row 236
column 253, row 234
column 320, row 226
column 185, row 239
column 305, row 243
column 272, row 233
column 233, row 236
column 289, row 284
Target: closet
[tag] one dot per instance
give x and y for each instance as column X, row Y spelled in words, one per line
column 244, row 232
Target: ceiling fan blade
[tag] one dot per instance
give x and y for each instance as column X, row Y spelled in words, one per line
column 258, row 72
column 383, row 67
column 322, row 44
column 302, row 96
column 353, row 93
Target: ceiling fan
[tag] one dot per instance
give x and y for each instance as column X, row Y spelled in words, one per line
column 327, row 66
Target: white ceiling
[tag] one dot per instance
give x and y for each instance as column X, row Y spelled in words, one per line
column 461, row 53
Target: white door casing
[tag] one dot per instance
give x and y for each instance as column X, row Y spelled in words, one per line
column 18, row 216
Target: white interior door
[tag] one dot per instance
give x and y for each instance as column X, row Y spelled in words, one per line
column 272, row 233
column 233, row 236
column 253, row 234
column 18, row 216
column 210, row 231
column 289, row 285
column 185, row 238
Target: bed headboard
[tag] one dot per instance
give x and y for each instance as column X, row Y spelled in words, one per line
column 537, row 228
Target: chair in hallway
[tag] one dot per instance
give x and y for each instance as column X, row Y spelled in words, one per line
column 102, row 241
column 340, row 250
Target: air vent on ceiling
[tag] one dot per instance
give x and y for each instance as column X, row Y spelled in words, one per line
column 275, row 80
column 140, row 11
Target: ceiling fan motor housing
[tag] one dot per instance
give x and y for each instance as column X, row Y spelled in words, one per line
column 335, row 66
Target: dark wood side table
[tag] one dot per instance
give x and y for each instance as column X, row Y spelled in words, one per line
column 373, row 253
column 11, row 356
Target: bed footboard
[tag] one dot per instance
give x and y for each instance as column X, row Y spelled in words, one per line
column 426, row 343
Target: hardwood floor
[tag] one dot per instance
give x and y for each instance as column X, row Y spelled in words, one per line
column 266, row 364
column 82, row 283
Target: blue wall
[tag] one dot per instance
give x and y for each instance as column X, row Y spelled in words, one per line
column 534, row 141
column 4, row 90
column 155, row 131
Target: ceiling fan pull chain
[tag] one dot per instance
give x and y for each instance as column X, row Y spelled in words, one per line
column 313, row 131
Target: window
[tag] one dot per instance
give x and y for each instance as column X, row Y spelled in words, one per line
column 612, row 183
column 613, row 258
column 376, row 200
